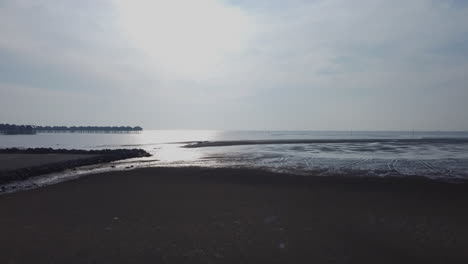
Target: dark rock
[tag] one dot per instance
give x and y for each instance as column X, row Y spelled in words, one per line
column 105, row 155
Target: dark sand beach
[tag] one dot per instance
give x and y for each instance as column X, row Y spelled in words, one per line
column 194, row 215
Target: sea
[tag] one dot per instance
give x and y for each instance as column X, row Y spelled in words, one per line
column 440, row 155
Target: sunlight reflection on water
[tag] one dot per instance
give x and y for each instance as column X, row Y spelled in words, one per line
column 175, row 152
column 393, row 157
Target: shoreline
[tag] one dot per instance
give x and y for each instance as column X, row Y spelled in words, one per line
column 224, row 143
column 201, row 215
column 46, row 166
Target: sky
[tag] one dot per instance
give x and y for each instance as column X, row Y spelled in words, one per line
column 236, row 65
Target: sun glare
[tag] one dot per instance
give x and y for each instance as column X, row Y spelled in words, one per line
column 187, row 38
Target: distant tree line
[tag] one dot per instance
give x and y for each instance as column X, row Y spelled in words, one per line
column 16, row 129
column 29, row 129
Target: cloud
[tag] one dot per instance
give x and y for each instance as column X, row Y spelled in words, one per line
column 186, row 39
column 241, row 64
column 72, row 40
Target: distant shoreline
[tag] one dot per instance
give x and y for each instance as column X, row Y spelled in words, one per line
column 202, row 144
column 11, row 129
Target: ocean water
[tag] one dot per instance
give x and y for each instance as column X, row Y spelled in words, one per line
column 441, row 155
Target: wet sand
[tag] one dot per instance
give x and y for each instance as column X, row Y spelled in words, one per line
column 193, row 215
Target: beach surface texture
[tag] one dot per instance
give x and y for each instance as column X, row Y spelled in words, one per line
column 196, row 215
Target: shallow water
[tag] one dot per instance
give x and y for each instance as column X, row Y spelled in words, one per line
column 370, row 153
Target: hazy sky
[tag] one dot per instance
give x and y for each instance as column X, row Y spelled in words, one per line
column 208, row 64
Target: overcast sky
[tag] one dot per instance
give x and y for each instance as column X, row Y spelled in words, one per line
column 218, row 64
